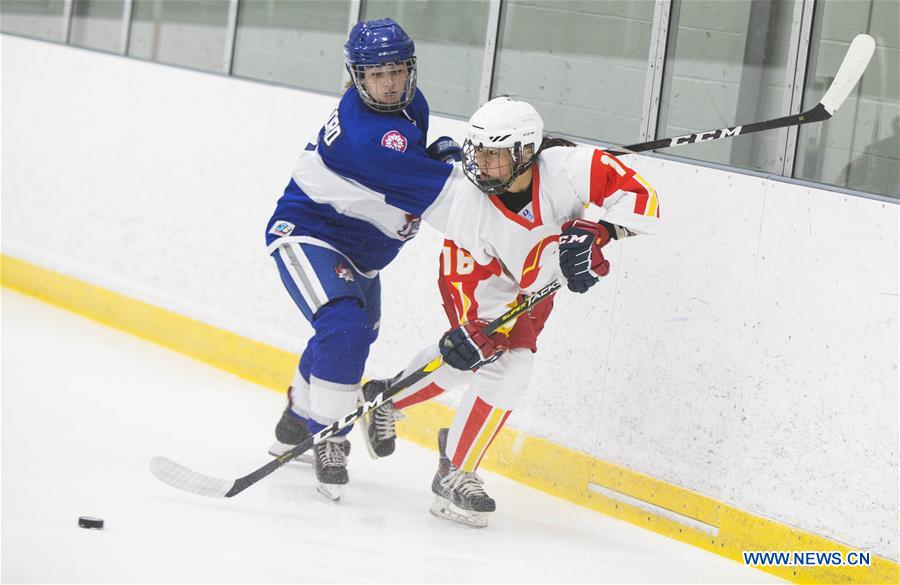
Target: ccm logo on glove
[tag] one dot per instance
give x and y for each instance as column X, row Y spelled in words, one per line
column 580, row 254
column 573, row 238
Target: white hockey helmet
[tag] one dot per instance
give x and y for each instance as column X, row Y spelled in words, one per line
column 502, row 123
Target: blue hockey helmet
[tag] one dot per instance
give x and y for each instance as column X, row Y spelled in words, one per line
column 381, row 45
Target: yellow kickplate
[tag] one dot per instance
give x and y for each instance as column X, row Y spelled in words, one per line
column 614, row 490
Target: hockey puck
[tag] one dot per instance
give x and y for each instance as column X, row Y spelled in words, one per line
column 89, row 522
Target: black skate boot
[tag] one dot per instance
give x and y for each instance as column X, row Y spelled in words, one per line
column 459, row 495
column 290, row 431
column 379, row 426
column 331, row 466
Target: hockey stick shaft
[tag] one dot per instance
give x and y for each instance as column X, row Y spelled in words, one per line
column 846, row 78
column 251, row 478
column 851, row 69
column 188, row 480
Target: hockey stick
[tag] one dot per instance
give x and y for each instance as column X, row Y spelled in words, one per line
column 188, row 480
column 846, row 78
column 852, row 67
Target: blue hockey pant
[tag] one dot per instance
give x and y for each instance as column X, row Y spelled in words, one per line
column 344, row 308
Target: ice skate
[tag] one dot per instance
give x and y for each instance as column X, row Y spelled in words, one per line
column 458, row 495
column 290, row 431
column 331, row 466
column 379, row 426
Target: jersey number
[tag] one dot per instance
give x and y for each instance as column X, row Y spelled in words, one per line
column 465, row 264
column 332, row 129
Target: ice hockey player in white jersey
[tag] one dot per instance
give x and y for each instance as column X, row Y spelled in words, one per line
column 519, row 230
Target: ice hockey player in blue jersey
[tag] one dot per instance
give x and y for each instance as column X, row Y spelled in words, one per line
column 355, row 197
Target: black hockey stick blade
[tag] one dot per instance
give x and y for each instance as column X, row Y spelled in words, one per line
column 852, row 67
column 188, row 480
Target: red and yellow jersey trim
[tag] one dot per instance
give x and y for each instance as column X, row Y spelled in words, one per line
column 532, row 265
column 609, row 174
column 535, row 204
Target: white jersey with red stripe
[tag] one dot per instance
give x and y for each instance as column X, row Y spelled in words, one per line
column 494, row 254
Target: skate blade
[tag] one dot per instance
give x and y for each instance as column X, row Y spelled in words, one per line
column 331, row 491
column 278, row 448
column 444, row 508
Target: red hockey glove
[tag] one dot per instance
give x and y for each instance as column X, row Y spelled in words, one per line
column 466, row 347
column 580, row 256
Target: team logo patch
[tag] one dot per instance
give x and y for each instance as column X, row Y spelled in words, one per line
column 411, row 227
column 394, row 140
column 282, row 228
column 532, row 265
column 343, row 272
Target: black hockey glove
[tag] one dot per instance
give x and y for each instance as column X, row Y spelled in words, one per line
column 466, row 347
column 445, row 149
column 580, row 256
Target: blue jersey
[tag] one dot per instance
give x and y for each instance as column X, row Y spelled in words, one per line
column 363, row 186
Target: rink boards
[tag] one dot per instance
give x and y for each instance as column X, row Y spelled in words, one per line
column 747, row 352
column 617, row 491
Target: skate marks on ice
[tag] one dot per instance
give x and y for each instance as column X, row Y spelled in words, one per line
column 141, row 400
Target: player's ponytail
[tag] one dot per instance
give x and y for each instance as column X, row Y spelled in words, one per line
column 551, row 141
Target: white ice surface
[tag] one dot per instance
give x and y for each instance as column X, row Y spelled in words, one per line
column 84, row 407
